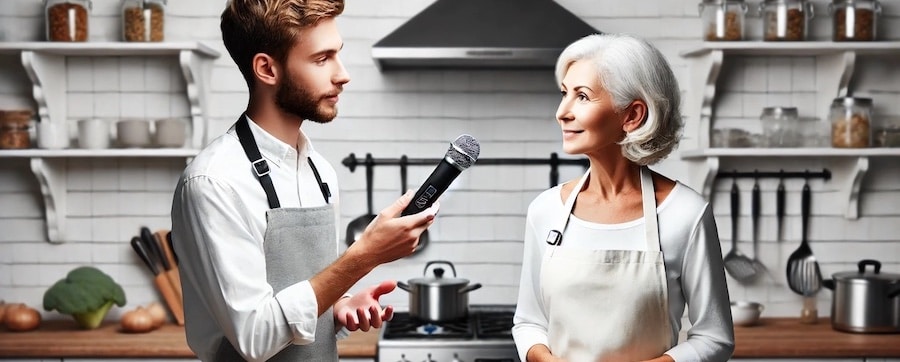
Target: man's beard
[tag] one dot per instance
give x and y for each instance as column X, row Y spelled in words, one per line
column 301, row 103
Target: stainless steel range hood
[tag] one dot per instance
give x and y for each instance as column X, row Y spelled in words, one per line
column 490, row 34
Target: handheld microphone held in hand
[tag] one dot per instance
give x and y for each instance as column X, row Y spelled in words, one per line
column 462, row 154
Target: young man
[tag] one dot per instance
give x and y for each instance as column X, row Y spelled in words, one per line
column 254, row 217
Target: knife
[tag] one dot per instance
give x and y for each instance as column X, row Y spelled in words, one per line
column 160, row 281
column 161, row 237
column 154, row 248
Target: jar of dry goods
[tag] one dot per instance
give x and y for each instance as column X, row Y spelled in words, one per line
column 14, row 129
column 723, row 19
column 855, row 20
column 67, row 20
column 785, row 19
column 780, row 127
column 851, row 122
column 143, row 20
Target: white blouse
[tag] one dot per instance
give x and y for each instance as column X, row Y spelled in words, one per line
column 693, row 262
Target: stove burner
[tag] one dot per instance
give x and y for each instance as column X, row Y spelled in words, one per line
column 478, row 325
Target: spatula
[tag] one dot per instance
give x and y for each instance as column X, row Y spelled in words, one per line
column 803, row 274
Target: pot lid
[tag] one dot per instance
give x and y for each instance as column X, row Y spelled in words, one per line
column 439, row 279
column 863, row 275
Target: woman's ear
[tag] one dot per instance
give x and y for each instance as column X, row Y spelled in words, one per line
column 265, row 69
column 635, row 114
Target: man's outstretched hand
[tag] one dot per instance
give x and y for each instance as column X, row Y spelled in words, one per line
column 362, row 311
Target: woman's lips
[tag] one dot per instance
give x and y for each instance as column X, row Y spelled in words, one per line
column 570, row 134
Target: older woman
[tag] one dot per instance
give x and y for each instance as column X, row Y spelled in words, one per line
column 607, row 278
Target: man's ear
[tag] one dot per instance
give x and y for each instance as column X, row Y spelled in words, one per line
column 635, row 114
column 265, row 69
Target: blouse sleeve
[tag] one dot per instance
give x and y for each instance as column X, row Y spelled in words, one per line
column 530, row 321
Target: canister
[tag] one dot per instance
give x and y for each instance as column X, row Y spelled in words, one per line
column 15, row 126
column 723, row 19
column 143, row 20
column 855, row 20
column 67, row 20
column 851, row 122
column 780, row 127
column 785, row 19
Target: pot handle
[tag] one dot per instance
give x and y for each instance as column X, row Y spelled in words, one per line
column 428, row 264
column 404, row 286
column 828, row 283
column 469, row 288
column 862, row 265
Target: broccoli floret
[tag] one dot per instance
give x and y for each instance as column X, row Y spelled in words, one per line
column 86, row 294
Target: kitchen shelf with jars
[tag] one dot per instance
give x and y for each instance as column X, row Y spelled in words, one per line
column 723, row 34
column 45, row 65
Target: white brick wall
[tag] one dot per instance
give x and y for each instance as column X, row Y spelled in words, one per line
column 416, row 113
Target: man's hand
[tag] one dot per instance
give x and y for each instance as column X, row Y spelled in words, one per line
column 390, row 236
column 362, row 311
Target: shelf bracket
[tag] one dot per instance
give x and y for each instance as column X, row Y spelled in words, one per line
column 709, row 180
column 47, row 73
column 51, row 175
column 196, row 74
column 851, row 189
column 704, row 75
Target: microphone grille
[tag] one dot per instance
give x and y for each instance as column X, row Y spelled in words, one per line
column 464, row 151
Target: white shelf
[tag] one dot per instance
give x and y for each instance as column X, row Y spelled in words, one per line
column 45, row 65
column 794, row 48
column 125, row 152
column 790, row 152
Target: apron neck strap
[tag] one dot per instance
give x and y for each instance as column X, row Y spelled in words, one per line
column 648, row 197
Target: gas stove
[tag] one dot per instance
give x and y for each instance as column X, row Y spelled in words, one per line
column 483, row 336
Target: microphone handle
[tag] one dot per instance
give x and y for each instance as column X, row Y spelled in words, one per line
column 434, row 186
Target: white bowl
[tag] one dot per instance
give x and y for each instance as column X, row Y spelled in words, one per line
column 170, row 132
column 745, row 313
column 133, row 133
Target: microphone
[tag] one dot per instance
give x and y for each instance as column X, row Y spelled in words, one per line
column 461, row 155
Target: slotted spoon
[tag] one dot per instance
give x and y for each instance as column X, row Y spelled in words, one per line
column 736, row 263
column 803, row 274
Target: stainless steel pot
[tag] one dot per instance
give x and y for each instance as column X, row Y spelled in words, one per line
column 438, row 298
column 865, row 301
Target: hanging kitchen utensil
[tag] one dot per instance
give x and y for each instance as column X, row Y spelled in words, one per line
column 803, row 274
column 554, row 169
column 755, row 211
column 358, row 225
column 780, row 195
column 423, row 238
column 736, row 263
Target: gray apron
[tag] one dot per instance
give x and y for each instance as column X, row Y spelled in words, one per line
column 298, row 243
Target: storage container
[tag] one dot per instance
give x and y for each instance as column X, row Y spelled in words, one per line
column 143, row 20
column 723, row 19
column 15, row 126
column 851, row 122
column 855, row 20
column 785, row 19
column 780, row 127
column 67, row 20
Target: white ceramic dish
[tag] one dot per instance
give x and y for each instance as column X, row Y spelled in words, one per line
column 745, row 313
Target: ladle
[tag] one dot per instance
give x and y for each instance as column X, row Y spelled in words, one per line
column 736, row 263
column 358, row 225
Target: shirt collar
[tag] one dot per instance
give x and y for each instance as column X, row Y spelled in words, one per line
column 274, row 149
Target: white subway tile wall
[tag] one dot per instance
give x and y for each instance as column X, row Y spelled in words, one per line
column 416, row 113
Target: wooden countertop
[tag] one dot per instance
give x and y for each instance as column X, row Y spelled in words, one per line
column 773, row 338
column 63, row 339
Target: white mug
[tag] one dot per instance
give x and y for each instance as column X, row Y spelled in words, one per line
column 52, row 136
column 93, row 134
column 171, row 132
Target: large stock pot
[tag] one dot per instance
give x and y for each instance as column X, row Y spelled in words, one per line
column 865, row 301
column 438, row 298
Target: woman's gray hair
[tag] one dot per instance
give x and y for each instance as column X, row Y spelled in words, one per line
column 630, row 68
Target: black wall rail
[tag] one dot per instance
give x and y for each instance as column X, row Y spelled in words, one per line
column 825, row 174
column 554, row 161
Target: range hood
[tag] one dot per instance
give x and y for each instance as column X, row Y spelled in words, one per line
column 486, row 34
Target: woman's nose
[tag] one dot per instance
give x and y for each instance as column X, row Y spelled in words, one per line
column 563, row 113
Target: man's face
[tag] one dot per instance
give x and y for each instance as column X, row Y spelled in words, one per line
column 313, row 74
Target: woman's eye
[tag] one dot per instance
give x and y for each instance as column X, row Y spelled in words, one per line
column 563, row 93
column 582, row 97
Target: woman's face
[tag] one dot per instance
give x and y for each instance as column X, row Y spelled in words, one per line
column 586, row 113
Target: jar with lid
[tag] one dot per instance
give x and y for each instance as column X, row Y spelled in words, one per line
column 143, row 20
column 785, row 20
column 855, row 20
column 780, row 128
column 67, row 20
column 14, row 129
column 723, row 19
column 851, row 122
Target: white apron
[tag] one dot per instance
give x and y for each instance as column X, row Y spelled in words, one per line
column 607, row 305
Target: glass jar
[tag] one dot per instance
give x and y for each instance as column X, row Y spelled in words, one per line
column 143, row 20
column 785, row 19
column 855, row 20
column 67, row 20
column 851, row 122
column 780, row 128
column 723, row 19
column 14, row 129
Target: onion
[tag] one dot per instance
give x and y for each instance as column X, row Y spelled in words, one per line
column 20, row 318
column 138, row 320
column 158, row 313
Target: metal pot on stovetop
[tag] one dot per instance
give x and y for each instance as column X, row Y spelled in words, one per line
column 865, row 301
column 438, row 298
